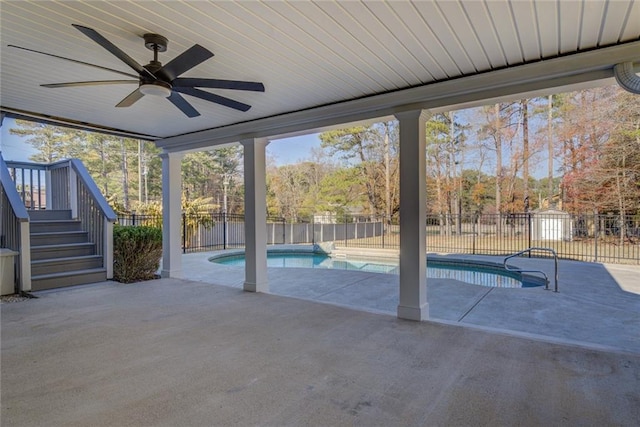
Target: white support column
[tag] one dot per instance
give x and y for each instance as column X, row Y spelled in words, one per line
column 413, row 276
column 255, row 215
column 171, row 215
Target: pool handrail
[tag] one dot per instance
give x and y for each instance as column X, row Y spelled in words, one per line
column 529, row 250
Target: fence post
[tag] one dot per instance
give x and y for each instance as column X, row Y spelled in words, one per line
column 313, row 231
column 133, row 218
column 224, row 230
column 529, row 230
column 474, row 230
column 346, row 231
column 73, row 192
column 273, row 233
column 284, row 231
column 355, row 230
column 596, row 219
column 48, row 195
column 184, row 233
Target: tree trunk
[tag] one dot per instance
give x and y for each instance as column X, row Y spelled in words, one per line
column 103, row 169
column 525, row 153
column 125, row 176
column 621, row 198
column 550, row 150
column 498, row 143
column 387, row 174
column 139, row 171
column 440, row 202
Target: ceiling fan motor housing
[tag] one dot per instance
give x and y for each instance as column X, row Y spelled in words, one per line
column 155, row 68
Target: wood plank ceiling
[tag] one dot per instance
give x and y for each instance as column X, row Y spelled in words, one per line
column 307, row 54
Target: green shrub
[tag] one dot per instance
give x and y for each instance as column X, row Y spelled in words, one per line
column 136, row 253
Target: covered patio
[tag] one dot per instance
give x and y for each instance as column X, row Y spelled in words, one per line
column 323, row 65
column 179, row 352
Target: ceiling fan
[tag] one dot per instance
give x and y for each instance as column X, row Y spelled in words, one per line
column 161, row 80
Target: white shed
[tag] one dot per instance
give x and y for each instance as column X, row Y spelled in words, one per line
column 551, row 224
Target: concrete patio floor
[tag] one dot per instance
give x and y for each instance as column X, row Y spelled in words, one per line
column 597, row 305
column 174, row 352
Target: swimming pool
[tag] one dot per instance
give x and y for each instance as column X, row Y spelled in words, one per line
column 476, row 274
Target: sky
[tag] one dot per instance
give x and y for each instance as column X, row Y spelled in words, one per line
column 292, row 150
column 13, row 147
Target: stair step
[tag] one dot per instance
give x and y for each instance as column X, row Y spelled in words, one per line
column 62, row 251
column 59, row 265
column 49, row 214
column 72, row 278
column 55, row 225
column 60, row 237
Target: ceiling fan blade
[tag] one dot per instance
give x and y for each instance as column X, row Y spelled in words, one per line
column 76, row 61
column 213, row 98
column 184, row 106
column 218, row 84
column 130, row 99
column 188, row 59
column 93, row 83
column 113, row 49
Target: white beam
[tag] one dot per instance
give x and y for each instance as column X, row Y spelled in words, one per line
column 413, row 275
column 255, row 215
column 171, row 214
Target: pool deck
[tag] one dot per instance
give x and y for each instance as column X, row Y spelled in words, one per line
column 598, row 305
column 200, row 352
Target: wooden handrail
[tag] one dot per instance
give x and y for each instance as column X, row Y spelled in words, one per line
column 93, row 189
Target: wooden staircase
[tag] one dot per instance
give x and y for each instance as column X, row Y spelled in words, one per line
column 61, row 253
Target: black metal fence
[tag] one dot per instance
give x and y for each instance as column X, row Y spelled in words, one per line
column 140, row 220
column 586, row 237
column 214, row 231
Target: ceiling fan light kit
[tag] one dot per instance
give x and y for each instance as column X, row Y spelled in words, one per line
column 155, row 89
column 161, row 81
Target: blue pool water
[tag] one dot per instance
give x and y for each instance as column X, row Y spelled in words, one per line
column 475, row 274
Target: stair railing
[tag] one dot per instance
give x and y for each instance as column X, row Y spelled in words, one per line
column 67, row 185
column 30, row 180
column 89, row 205
column 14, row 227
